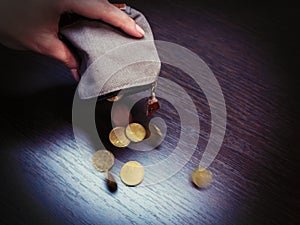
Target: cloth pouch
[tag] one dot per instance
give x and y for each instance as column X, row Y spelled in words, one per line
column 111, row 60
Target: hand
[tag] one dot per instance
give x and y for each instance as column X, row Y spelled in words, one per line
column 33, row 25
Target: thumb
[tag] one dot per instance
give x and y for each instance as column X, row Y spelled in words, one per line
column 109, row 13
column 55, row 48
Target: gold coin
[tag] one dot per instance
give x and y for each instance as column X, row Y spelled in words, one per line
column 115, row 98
column 155, row 136
column 132, row 173
column 118, row 138
column 135, row 132
column 103, row 160
column 157, row 130
column 202, row 177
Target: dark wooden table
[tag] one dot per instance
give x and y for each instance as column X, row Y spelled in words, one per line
column 253, row 51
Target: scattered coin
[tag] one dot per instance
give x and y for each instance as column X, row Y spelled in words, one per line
column 154, row 136
column 103, row 160
column 135, row 132
column 115, row 98
column 111, row 182
column 157, row 130
column 118, row 138
column 132, row 173
column 202, row 177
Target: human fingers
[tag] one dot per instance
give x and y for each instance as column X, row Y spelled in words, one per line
column 107, row 12
column 54, row 47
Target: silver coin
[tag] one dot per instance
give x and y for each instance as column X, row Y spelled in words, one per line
column 103, row 160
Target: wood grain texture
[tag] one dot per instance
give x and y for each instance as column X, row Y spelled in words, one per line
column 253, row 51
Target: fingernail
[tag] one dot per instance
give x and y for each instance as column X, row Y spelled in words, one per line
column 75, row 74
column 140, row 30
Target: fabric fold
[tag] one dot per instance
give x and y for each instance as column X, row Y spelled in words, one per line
column 111, row 59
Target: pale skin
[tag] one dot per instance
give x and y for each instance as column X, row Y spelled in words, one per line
column 33, row 25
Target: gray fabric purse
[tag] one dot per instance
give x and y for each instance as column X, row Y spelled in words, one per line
column 112, row 60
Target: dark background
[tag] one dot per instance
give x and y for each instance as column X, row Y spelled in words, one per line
column 253, row 50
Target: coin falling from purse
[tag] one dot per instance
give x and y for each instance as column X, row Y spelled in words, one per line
column 112, row 61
